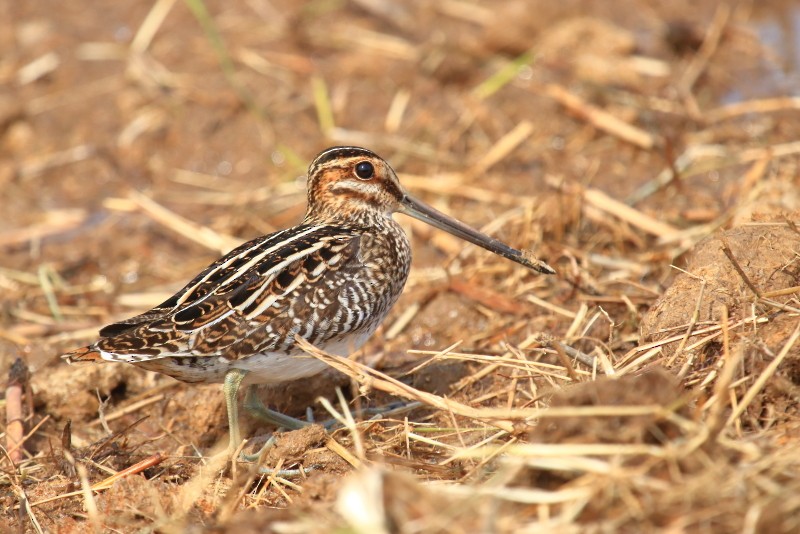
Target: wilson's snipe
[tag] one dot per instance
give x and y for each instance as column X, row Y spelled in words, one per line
column 331, row 279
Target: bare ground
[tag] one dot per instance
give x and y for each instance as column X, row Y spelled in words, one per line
column 617, row 140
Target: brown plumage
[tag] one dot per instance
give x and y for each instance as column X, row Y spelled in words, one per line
column 331, row 280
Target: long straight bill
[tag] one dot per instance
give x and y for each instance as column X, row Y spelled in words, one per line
column 423, row 212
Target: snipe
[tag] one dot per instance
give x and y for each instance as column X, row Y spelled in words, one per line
column 331, row 280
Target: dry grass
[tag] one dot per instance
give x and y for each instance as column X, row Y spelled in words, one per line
column 634, row 391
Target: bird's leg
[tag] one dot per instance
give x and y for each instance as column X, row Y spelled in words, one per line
column 255, row 457
column 233, row 379
column 254, row 405
column 390, row 409
column 268, row 470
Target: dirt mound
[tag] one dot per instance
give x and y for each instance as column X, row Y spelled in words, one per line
column 655, row 387
column 736, row 301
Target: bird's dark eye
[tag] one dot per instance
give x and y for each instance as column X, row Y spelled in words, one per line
column 365, row 170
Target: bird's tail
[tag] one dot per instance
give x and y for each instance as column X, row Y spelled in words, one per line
column 83, row 354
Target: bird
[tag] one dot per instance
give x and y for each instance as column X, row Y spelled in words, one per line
column 330, row 280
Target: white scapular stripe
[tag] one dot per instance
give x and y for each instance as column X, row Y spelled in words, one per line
column 257, row 258
column 279, row 267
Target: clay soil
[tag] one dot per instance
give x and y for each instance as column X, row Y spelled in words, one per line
column 646, row 150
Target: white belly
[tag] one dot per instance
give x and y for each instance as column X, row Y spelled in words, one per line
column 272, row 368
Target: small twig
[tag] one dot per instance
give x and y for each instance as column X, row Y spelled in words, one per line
column 203, row 235
column 56, row 222
column 727, row 250
column 86, row 492
column 585, row 359
column 701, row 59
column 748, row 107
column 25, row 504
column 105, row 442
column 692, row 322
column 501, row 78
column 781, row 292
column 151, row 461
column 607, row 204
column 713, row 332
column 152, row 22
column 107, row 483
column 601, row 119
column 56, row 159
column 322, row 103
column 778, row 305
column 377, row 380
column 502, row 148
column 562, row 355
column 486, row 297
column 101, row 412
column 759, row 384
column 433, row 358
column 104, row 419
column 15, row 428
column 793, row 225
column 30, row 433
column 721, row 388
column 200, row 11
column 46, row 283
column 335, row 447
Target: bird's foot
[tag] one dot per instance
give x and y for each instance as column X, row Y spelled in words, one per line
column 258, row 457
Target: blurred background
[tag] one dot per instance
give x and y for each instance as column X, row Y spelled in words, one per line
column 139, row 140
column 214, row 110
